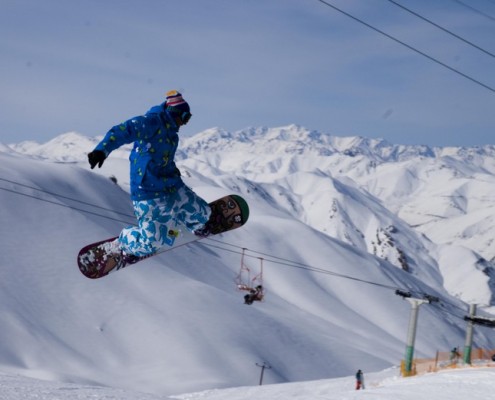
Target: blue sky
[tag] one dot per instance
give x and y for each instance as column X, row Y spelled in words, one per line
column 70, row 65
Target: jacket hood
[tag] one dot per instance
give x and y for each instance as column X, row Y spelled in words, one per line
column 157, row 109
column 161, row 109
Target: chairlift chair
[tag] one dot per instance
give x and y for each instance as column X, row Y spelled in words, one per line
column 244, row 282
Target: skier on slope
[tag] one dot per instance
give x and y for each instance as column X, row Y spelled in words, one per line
column 158, row 193
column 359, row 380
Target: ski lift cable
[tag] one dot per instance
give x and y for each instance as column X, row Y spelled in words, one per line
column 442, row 304
column 63, row 205
column 442, row 28
column 61, row 196
column 328, row 4
column 267, row 257
column 444, row 309
column 484, row 14
column 273, row 259
column 294, row 264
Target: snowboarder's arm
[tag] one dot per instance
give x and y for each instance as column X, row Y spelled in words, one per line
column 124, row 133
column 138, row 128
column 115, row 137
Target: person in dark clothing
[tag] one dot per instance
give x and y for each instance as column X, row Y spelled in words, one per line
column 359, row 380
column 255, row 294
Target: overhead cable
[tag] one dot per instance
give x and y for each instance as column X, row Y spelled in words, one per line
column 408, row 46
column 474, row 9
column 442, row 28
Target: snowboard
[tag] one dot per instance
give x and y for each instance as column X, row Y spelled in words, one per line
column 227, row 213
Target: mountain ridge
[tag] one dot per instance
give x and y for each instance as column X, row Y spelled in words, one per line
column 297, row 139
column 303, row 168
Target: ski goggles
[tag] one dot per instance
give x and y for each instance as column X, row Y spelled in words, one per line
column 185, row 117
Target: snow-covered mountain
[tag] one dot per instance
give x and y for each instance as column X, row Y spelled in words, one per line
column 354, row 188
column 339, row 222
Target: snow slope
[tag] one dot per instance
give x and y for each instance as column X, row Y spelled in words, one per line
column 446, row 385
column 175, row 323
column 475, row 384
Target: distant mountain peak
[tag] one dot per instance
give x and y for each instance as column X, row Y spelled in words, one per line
column 295, row 139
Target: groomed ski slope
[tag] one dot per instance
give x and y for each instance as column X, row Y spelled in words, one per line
column 472, row 384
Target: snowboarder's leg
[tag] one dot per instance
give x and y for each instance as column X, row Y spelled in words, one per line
column 153, row 217
column 157, row 218
column 191, row 210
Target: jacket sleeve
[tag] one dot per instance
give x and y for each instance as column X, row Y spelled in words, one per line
column 125, row 133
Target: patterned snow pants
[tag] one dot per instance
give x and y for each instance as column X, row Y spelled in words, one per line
column 157, row 216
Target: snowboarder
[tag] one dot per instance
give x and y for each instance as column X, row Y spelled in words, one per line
column 359, row 380
column 255, row 294
column 158, row 193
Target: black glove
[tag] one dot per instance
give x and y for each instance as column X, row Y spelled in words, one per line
column 96, row 157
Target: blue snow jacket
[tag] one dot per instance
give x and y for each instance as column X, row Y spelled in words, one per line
column 155, row 138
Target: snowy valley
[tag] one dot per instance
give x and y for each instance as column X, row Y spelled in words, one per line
column 339, row 222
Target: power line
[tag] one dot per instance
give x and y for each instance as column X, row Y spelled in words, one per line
column 474, row 9
column 408, row 46
column 442, row 28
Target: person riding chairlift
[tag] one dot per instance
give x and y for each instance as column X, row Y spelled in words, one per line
column 255, row 294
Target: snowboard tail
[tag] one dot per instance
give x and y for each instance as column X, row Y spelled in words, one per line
column 227, row 213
